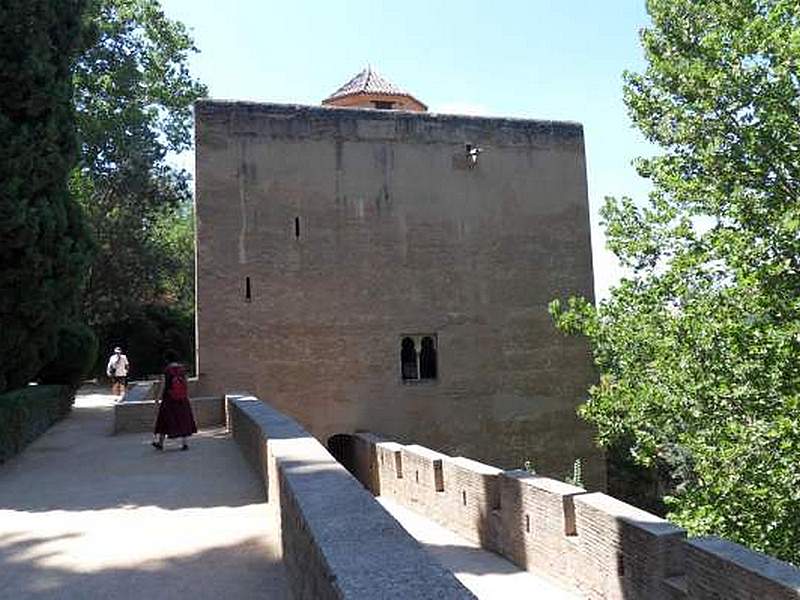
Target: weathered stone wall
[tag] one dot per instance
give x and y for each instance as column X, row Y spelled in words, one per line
column 596, row 545
column 718, row 568
column 337, row 541
column 537, row 524
column 137, row 417
column 626, row 552
column 366, row 459
column 472, row 506
column 354, row 227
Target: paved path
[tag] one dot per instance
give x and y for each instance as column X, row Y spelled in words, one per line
column 484, row 573
column 86, row 515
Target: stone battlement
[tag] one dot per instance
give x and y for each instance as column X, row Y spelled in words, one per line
column 338, row 542
column 600, row 547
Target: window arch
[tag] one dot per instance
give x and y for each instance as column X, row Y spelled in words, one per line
column 418, row 357
column 427, row 358
column 408, row 359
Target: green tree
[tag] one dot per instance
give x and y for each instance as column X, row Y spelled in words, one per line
column 44, row 246
column 173, row 232
column 134, row 96
column 699, row 348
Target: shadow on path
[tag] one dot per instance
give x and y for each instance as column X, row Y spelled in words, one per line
column 30, row 570
column 79, row 465
column 84, row 514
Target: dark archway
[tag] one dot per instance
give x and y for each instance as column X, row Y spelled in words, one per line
column 342, row 448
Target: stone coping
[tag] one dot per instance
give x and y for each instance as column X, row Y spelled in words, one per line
column 756, row 563
column 304, row 121
column 338, row 542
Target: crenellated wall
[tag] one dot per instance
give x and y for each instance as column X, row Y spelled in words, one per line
column 601, row 547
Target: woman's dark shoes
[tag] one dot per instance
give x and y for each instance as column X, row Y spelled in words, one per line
column 185, row 447
column 157, row 445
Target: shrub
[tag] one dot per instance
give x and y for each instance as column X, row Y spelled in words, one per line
column 27, row 413
column 75, row 356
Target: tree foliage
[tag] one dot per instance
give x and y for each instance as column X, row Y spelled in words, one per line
column 133, row 95
column 44, row 247
column 699, row 348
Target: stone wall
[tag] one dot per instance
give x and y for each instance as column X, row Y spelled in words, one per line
column 325, row 235
column 140, row 416
column 598, row 546
column 337, row 541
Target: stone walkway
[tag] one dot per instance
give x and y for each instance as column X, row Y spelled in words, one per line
column 485, row 574
column 87, row 515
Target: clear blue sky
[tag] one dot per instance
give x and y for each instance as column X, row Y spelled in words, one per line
column 541, row 59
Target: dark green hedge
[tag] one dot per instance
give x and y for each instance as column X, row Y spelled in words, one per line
column 27, row 413
column 75, row 357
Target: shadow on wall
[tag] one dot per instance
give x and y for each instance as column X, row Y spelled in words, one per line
column 342, row 448
column 444, row 491
column 34, row 568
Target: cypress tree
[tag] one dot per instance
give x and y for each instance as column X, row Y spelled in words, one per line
column 45, row 247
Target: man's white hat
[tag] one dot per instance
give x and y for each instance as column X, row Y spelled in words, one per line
column 117, row 349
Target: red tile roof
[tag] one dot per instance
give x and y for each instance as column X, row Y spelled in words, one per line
column 369, row 82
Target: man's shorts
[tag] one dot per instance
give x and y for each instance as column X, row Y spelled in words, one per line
column 120, row 379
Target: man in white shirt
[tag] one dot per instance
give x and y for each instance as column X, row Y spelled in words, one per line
column 117, row 369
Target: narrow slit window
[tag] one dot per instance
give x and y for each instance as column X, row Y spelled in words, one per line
column 438, row 475
column 297, row 228
column 527, row 523
column 464, row 497
column 248, row 296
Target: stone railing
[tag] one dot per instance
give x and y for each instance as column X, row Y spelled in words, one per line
column 591, row 543
column 337, row 541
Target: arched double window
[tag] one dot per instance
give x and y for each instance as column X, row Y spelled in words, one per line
column 418, row 360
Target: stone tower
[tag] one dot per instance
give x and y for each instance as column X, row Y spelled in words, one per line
column 390, row 271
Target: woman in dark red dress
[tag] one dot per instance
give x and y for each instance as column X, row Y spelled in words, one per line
column 175, row 418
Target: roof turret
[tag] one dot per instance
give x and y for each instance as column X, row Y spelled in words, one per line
column 371, row 90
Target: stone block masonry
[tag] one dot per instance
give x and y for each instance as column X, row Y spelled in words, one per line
column 625, row 552
column 327, row 235
column 537, row 524
column 337, row 541
column 597, row 546
column 717, row 568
